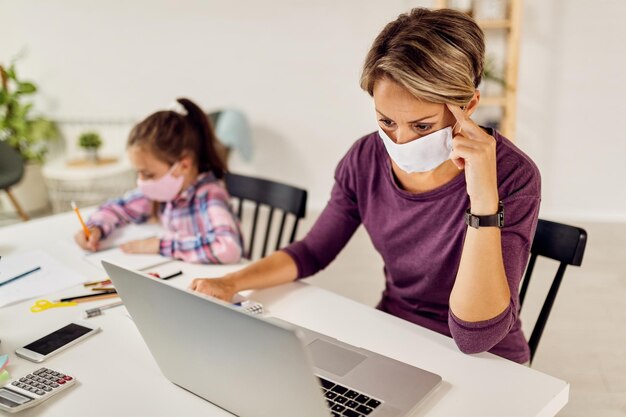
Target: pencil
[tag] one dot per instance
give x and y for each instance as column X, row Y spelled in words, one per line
column 91, row 284
column 93, row 312
column 80, row 219
column 103, row 290
column 96, row 298
column 90, row 297
column 20, row 276
column 175, row 274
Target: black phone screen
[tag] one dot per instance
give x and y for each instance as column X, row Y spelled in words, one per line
column 57, row 339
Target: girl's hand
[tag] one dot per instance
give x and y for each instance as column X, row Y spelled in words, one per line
column 475, row 151
column 222, row 288
column 92, row 243
column 148, row 246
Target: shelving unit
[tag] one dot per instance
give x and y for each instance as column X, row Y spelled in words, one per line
column 511, row 24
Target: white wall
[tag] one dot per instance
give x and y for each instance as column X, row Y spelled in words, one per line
column 572, row 108
column 293, row 67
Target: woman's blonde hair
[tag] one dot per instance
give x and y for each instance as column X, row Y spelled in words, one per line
column 437, row 55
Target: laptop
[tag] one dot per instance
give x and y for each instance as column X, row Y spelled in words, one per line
column 254, row 366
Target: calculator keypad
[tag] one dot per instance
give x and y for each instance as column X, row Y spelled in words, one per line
column 42, row 381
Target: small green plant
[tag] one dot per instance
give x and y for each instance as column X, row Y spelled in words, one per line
column 29, row 135
column 90, row 141
column 490, row 73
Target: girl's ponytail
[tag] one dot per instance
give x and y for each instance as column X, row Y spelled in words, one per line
column 210, row 153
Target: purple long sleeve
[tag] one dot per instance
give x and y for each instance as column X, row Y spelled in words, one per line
column 420, row 238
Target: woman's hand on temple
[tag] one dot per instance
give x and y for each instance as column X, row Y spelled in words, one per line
column 474, row 150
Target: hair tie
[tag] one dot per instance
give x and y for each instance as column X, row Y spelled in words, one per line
column 177, row 108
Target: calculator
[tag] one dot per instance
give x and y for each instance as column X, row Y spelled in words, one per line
column 21, row 393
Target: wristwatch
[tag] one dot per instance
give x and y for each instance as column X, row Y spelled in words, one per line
column 476, row 222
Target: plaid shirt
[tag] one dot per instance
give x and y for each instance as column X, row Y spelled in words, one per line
column 200, row 225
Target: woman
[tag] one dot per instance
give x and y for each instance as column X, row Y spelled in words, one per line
column 431, row 188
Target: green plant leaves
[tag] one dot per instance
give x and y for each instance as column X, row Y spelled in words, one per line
column 29, row 135
column 90, row 140
column 26, row 88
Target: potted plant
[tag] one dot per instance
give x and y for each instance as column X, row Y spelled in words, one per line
column 494, row 82
column 29, row 134
column 90, row 142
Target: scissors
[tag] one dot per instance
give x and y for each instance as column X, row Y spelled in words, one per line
column 42, row 305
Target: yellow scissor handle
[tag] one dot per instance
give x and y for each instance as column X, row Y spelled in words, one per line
column 42, row 305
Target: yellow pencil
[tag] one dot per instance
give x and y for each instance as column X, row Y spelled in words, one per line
column 80, row 219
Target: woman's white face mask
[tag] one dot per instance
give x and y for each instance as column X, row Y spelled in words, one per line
column 420, row 155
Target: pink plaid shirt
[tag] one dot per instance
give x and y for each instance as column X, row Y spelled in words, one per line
column 200, row 225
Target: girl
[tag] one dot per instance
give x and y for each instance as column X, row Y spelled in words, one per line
column 450, row 206
column 179, row 180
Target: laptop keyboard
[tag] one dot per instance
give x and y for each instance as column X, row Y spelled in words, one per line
column 344, row 401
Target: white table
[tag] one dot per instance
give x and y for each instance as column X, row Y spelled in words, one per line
column 118, row 376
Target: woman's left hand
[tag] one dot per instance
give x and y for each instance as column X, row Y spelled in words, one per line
column 151, row 245
column 474, row 150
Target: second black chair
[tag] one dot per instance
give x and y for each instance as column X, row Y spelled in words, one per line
column 562, row 243
column 277, row 197
column 11, row 172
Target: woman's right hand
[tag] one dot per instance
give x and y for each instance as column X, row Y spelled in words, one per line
column 222, row 288
column 275, row 269
column 90, row 244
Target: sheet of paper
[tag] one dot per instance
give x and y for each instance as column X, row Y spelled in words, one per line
column 52, row 277
column 131, row 232
column 137, row 262
column 110, row 251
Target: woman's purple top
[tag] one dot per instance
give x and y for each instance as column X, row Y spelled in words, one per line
column 420, row 238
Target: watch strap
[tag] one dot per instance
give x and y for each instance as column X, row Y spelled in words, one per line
column 493, row 220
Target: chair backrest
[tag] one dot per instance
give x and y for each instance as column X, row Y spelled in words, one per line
column 562, row 243
column 277, row 197
column 11, row 166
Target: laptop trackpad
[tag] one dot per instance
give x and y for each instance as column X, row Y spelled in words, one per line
column 333, row 358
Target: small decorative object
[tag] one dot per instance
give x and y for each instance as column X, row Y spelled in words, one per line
column 90, row 142
column 490, row 9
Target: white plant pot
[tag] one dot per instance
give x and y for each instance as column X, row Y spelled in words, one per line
column 30, row 192
column 91, row 155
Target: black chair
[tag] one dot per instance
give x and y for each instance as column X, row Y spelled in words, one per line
column 562, row 243
column 276, row 196
column 11, row 172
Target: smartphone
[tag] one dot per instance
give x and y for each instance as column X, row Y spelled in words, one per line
column 55, row 342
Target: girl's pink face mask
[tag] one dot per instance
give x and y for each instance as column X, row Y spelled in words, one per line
column 162, row 189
